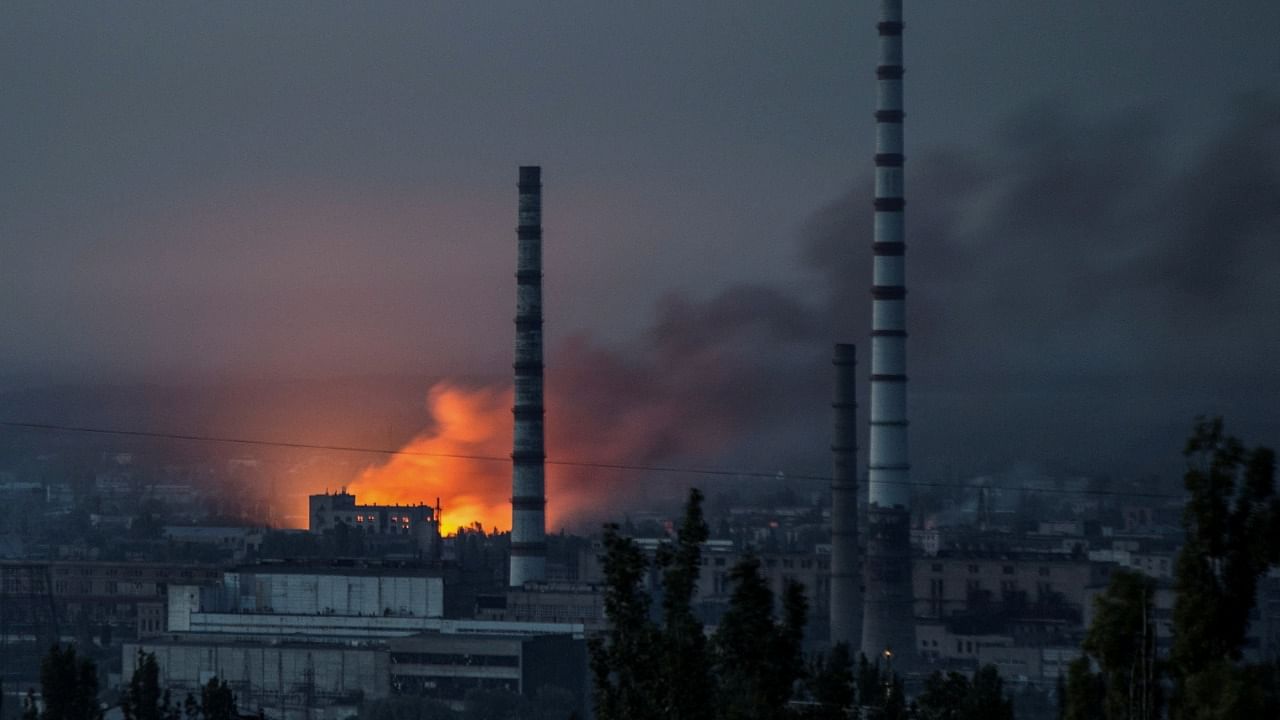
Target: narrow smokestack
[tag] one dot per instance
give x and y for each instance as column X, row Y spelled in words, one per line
column 888, row 619
column 528, row 498
column 846, row 573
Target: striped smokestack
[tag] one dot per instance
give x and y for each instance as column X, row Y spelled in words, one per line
column 528, row 498
column 846, row 575
column 888, row 618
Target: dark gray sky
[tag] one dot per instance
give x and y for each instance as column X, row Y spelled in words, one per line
column 193, row 193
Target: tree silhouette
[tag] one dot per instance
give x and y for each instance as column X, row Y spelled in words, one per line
column 143, row 699
column 68, row 686
column 645, row 669
column 1232, row 521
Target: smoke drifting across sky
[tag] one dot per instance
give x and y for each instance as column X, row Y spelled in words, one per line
column 286, row 223
column 1074, row 299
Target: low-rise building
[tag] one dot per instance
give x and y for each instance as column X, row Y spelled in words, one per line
column 286, row 680
column 548, row 602
column 118, row 594
column 963, row 583
column 446, row 667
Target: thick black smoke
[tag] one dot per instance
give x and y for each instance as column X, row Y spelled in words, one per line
column 1079, row 291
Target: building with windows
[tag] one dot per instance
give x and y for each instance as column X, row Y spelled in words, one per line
column 973, row 583
column 126, row 596
column 448, row 666
column 338, row 512
column 285, row 680
column 328, row 510
column 313, row 642
column 548, row 602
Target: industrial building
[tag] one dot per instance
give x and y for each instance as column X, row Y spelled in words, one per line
column 128, row 597
column 286, row 680
column 952, row 584
column 311, row 678
column 578, row 603
column 447, row 666
column 285, row 600
column 328, row 512
column 314, row 641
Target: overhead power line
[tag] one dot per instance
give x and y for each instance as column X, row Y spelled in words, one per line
column 630, row 467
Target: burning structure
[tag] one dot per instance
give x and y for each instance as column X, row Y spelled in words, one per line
column 888, row 621
column 327, row 511
column 528, row 494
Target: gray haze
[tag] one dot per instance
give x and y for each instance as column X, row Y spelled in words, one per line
column 302, row 197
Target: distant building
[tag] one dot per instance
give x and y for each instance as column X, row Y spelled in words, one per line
column 811, row 570
column 331, row 603
column 548, row 602
column 124, row 595
column 287, row 680
column 1030, row 584
column 311, row 642
column 332, row 512
column 308, row 678
column 447, row 666
column 235, row 541
column 265, row 596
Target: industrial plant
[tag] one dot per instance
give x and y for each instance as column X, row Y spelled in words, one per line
column 190, row 567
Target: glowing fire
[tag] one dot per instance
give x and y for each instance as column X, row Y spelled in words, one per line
column 440, row 462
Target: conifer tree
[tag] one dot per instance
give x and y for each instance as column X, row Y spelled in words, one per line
column 830, row 684
column 68, row 686
column 624, row 663
column 943, row 696
column 143, row 699
column 1232, row 522
column 1122, row 639
column 686, row 666
column 757, row 660
column 217, row 702
column 645, row 669
column 986, row 699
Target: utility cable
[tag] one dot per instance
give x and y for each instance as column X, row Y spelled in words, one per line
column 661, row 469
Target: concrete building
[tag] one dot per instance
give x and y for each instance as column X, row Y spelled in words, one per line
column 812, row 570
column 315, row 679
column 260, row 598
column 446, row 667
column 970, row 584
column 311, row 643
column 548, row 602
column 332, row 603
column 122, row 595
column 235, row 542
column 328, row 512
column 287, row 681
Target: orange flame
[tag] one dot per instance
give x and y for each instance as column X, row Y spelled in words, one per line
column 442, row 462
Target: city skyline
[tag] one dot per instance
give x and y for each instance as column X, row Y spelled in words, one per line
column 177, row 221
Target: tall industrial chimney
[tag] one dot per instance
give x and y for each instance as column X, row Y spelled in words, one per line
column 888, row 630
column 846, row 575
column 528, row 497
